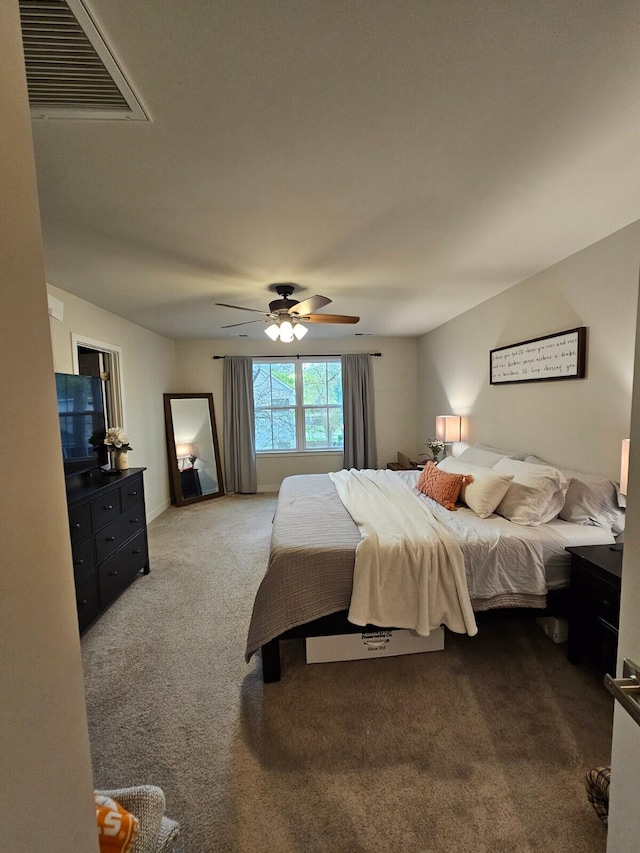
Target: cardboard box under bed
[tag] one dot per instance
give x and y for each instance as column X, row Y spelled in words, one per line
column 372, row 644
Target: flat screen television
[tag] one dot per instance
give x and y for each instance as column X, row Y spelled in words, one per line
column 82, row 422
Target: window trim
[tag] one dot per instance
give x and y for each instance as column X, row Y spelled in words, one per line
column 299, row 407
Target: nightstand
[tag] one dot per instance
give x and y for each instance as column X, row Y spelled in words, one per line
column 594, row 606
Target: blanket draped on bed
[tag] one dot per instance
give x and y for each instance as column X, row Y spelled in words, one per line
column 409, row 571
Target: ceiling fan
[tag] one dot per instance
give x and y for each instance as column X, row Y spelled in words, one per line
column 287, row 316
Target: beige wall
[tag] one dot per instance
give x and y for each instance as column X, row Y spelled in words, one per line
column 395, row 389
column 46, row 786
column 576, row 422
column 148, row 370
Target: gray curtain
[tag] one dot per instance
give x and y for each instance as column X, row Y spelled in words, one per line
column 359, row 422
column 239, row 427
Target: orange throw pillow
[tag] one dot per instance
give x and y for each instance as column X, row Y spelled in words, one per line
column 442, row 486
column 117, row 828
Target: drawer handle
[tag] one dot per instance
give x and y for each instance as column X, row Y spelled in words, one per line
column 137, row 551
column 109, row 506
column 113, row 574
column 76, row 526
column 134, row 521
column 132, row 494
column 81, row 603
column 110, row 539
column 79, row 562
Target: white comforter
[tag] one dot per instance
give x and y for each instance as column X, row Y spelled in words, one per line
column 409, row 571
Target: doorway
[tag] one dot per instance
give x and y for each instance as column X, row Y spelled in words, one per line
column 95, row 358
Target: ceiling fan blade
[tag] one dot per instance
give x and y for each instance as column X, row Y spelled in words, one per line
column 246, row 323
column 240, row 308
column 330, row 318
column 308, row 305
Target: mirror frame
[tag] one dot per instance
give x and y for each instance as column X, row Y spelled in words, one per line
column 174, row 472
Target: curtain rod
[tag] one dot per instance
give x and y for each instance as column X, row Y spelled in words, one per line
column 310, row 355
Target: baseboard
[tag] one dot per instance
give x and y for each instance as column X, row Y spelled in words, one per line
column 268, row 488
column 154, row 513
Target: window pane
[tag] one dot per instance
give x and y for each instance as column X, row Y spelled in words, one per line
column 314, row 381
column 316, row 429
column 334, row 383
column 274, row 384
column 283, row 384
column 336, row 428
column 275, row 429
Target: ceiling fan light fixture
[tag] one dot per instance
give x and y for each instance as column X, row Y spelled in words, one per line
column 299, row 330
column 273, row 331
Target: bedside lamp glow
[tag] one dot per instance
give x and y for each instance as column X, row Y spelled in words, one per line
column 448, row 428
column 624, row 480
column 624, row 465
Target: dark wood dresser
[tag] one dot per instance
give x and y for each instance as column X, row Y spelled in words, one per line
column 594, row 606
column 108, row 530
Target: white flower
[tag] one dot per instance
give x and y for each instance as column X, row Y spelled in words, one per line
column 117, row 439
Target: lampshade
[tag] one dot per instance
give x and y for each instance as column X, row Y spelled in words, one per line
column 273, row 331
column 183, row 450
column 299, row 330
column 448, row 428
column 624, row 465
column 286, row 331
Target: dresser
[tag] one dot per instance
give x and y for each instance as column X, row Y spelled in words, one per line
column 594, row 606
column 108, row 529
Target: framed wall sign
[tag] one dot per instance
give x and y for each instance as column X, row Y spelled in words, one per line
column 558, row 356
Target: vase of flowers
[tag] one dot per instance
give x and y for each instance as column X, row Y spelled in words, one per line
column 117, row 442
column 435, row 448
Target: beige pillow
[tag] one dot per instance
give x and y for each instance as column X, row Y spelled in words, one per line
column 487, row 489
column 477, row 456
column 536, row 494
column 512, row 454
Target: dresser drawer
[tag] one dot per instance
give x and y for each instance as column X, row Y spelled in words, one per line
column 117, row 572
column 105, row 509
column 80, row 523
column 87, row 600
column 131, row 493
column 83, row 559
column 111, row 537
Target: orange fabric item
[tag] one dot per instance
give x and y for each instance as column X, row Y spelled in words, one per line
column 442, row 486
column 117, row 828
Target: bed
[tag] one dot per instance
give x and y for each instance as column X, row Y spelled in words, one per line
column 307, row 588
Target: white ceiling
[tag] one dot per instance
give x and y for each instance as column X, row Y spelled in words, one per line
column 407, row 159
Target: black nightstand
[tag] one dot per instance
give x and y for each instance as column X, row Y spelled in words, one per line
column 594, row 606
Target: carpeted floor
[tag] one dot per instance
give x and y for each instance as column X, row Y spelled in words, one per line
column 481, row 748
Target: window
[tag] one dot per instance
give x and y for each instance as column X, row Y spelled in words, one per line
column 298, row 404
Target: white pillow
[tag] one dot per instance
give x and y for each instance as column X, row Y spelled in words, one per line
column 512, row 454
column 536, row 494
column 477, row 456
column 487, row 489
column 590, row 500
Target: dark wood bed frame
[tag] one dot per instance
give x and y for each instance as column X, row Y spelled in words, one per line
column 337, row 623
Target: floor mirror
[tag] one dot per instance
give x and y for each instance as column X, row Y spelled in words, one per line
column 195, row 472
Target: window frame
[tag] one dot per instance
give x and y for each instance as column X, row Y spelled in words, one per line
column 299, row 407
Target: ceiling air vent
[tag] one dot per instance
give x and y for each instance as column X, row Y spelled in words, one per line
column 71, row 71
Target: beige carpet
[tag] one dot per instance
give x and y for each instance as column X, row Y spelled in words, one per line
column 482, row 747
